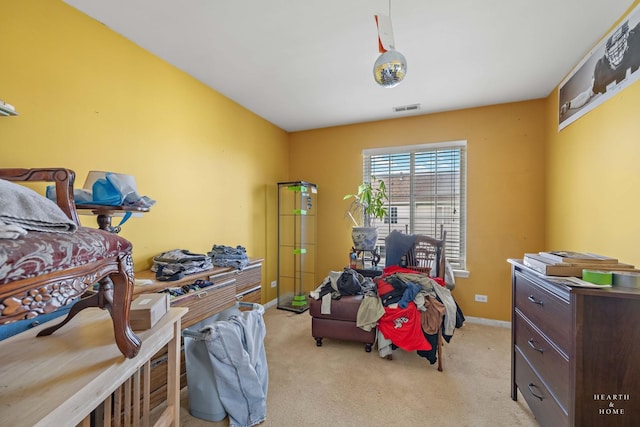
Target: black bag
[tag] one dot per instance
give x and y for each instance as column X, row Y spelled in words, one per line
column 350, row 282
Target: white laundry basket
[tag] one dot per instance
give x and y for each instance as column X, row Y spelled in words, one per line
column 204, row 400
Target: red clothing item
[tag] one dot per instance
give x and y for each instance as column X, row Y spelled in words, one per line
column 383, row 287
column 403, row 327
column 439, row 281
column 387, row 271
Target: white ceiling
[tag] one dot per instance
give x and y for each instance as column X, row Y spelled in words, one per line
column 308, row 64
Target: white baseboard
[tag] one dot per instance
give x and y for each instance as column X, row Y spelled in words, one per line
column 488, row 322
column 271, row 303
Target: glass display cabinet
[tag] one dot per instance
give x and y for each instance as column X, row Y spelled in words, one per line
column 297, row 234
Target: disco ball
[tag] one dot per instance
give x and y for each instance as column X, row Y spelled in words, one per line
column 390, row 68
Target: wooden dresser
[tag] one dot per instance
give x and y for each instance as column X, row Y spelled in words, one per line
column 229, row 285
column 575, row 351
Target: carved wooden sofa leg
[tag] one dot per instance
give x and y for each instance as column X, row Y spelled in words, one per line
column 118, row 302
column 115, row 298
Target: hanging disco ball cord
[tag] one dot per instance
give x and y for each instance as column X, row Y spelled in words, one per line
column 390, row 68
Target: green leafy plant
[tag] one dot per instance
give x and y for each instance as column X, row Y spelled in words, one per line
column 368, row 202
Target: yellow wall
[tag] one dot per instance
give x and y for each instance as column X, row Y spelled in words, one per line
column 505, row 188
column 593, row 172
column 90, row 100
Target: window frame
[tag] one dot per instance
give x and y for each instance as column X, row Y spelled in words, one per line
column 456, row 244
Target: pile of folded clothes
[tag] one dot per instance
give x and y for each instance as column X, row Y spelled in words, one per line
column 177, row 263
column 227, row 256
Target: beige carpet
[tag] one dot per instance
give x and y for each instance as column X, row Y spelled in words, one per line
column 339, row 384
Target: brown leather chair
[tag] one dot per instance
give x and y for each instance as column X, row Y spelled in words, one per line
column 43, row 271
column 340, row 323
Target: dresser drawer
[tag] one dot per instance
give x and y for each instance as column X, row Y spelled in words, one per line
column 551, row 365
column 253, row 295
column 222, row 276
column 544, row 407
column 547, row 311
column 207, row 301
column 248, row 278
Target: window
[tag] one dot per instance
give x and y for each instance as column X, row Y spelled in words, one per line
column 392, row 217
column 426, row 185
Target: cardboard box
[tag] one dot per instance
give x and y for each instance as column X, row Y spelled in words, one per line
column 147, row 309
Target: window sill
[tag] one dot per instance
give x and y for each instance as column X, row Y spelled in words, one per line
column 461, row 273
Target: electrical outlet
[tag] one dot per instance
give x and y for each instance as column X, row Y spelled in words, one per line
column 481, row 298
column 274, row 284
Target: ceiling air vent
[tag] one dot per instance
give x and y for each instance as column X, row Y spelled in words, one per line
column 412, row 107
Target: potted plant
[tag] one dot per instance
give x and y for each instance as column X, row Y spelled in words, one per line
column 368, row 204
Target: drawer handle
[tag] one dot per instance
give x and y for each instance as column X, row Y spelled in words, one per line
column 531, row 386
column 202, row 294
column 533, row 346
column 535, row 301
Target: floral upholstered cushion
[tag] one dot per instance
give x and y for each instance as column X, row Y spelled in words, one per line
column 38, row 253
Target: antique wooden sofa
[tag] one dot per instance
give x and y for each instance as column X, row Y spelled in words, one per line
column 42, row 271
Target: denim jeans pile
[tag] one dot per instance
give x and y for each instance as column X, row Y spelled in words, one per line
column 227, row 256
column 177, row 263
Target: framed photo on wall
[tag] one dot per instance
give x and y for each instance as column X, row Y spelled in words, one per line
column 610, row 67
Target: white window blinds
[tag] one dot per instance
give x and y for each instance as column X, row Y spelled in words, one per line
column 427, row 192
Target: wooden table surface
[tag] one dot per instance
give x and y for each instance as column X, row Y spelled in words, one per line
column 58, row 380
